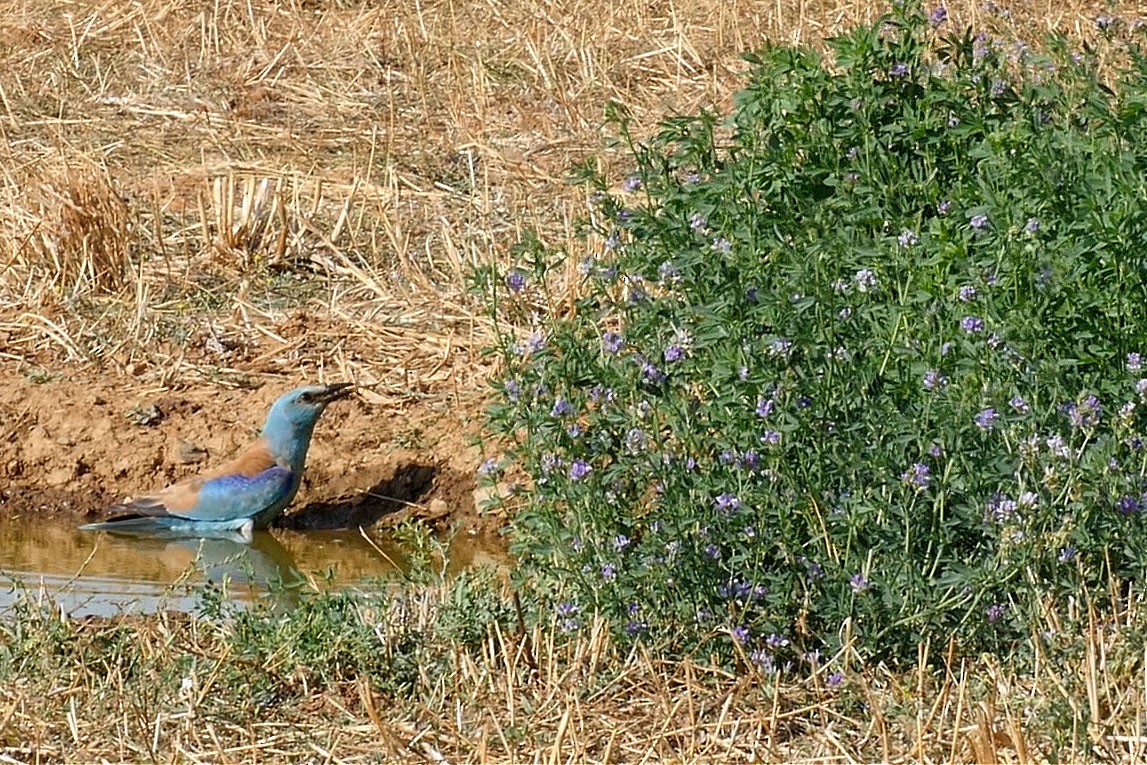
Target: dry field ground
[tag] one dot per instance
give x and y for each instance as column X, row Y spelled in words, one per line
column 204, row 204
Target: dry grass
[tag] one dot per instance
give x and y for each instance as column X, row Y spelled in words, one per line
column 179, row 180
column 180, row 689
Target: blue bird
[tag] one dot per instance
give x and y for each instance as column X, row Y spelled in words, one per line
column 245, row 494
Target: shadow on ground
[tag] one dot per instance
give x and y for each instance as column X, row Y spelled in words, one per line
column 388, row 500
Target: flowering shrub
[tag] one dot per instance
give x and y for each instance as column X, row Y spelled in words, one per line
column 861, row 359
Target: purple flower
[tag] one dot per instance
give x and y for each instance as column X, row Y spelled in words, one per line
column 620, row 542
column 1032, row 226
column 1066, row 554
column 740, row 634
column 1057, row 446
column 600, row 393
column 698, row 222
column 651, row 373
column 865, row 280
column 908, row 238
column 936, row 451
column 938, row 16
column 1019, row 404
column 994, row 612
column 972, row 324
column 1085, row 414
column 1001, row 509
column 674, row 353
column 612, row 342
column 771, row 437
column 636, row 440
column 780, row 346
column 713, row 551
column 934, row 380
column 567, row 609
column 728, row 503
column 632, row 183
column 946, row 205
column 764, row 407
column 775, row 641
column 1134, row 362
column 835, row 680
column 899, row 70
column 1128, row 505
column 918, row 476
column 979, row 222
column 569, row 625
column 636, row 289
column 516, row 281
column 635, row 627
column 1103, row 22
column 859, row 583
column 722, row 246
column 561, row 408
column 608, row 571
column 986, row 420
column 513, row 390
column 967, row 293
column 764, row 661
column 489, row 467
column 579, row 470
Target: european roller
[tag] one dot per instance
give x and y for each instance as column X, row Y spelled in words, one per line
column 245, row 494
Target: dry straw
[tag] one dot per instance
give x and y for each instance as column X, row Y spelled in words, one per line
column 167, row 163
column 533, row 696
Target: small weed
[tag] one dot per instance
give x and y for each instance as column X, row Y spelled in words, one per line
column 39, row 376
column 410, row 438
column 145, row 416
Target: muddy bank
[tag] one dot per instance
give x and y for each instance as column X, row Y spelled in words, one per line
column 73, row 446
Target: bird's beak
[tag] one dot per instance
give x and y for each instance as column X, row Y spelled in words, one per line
column 334, row 393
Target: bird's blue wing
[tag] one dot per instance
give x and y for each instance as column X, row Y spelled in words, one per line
column 229, row 497
column 221, row 498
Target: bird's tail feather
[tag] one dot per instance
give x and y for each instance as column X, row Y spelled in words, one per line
column 168, row 527
column 138, row 523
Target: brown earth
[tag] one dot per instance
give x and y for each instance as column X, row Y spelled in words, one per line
column 73, row 445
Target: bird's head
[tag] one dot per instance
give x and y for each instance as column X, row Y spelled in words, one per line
column 299, row 409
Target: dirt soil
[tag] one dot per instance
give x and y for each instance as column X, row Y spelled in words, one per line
column 72, row 446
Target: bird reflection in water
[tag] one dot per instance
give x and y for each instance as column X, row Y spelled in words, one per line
column 246, row 568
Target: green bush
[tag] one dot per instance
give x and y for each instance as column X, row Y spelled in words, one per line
column 861, row 358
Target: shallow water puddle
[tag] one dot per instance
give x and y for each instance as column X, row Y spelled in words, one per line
column 103, row 574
